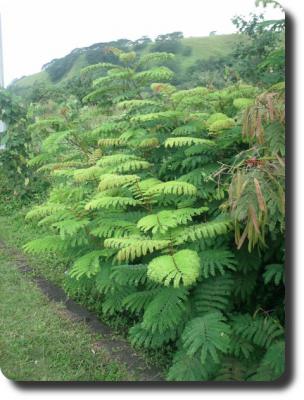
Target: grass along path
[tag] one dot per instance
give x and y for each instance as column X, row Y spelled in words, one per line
column 39, row 342
column 14, row 233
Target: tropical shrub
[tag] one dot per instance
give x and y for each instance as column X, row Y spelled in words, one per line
column 170, row 203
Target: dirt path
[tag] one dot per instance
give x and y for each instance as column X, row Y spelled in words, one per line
column 117, row 348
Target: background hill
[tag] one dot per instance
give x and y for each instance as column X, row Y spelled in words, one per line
column 188, row 51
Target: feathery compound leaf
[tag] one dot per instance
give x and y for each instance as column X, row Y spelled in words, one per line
column 70, row 227
column 155, row 57
column 138, row 301
column 187, row 368
column 217, row 260
column 114, row 300
column 141, row 337
column 114, row 159
column 208, row 335
column 132, row 165
column 275, row 273
column 204, row 231
column 181, row 268
column 88, row 264
column 262, row 331
column 186, row 141
column 111, row 142
column 110, row 227
column 110, row 181
column 45, row 244
column 272, row 365
column 87, row 174
column 213, row 294
column 129, row 274
column 44, row 210
column 110, row 202
column 166, row 310
column 159, row 222
column 157, row 74
column 132, row 248
column 231, row 370
column 173, row 187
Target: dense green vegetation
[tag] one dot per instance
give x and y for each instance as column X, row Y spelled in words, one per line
column 164, row 190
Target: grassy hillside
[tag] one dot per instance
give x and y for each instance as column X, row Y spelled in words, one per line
column 201, row 48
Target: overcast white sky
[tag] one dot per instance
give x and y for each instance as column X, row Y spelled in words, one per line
column 36, row 31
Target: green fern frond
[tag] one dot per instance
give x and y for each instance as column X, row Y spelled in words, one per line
column 138, row 301
column 181, row 268
column 173, row 187
column 129, row 274
column 186, row 141
column 88, row 264
column 87, row 174
column 70, row 227
column 217, row 260
column 241, row 347
column 231, row 370
column 114, row 300
column 187, row 368
column 103, row 282
column 44, row 210
column 155, row 57
column 46, row 244
column 111, row 142
column 131, row 248
column 262, row 331
column 157, row 74
column 114, row 159
column 213, row 294
column 110, row 227
column 141, row 337
column 272, row 365
column 110, row 202
column 166, row 310
column 132, row 165
column 245, row 284
column 159, row 222
column 207, row 335
column 111, row 181
column 206, row 230
column 275, row 273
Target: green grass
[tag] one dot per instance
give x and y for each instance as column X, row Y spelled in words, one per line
column 205, row 47
column 38, row 342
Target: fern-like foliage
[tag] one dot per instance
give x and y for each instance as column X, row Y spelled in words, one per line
column 275, row 273
column 262, row 331
column 207, row 335
column 131, row 248
column 174, row 187
column 186, row 141
column 110, row 202
column 166, row 310
column 45, row 244
column 187, row 368
column 272, row 365
column 181, row 268
column 170, row 206
column 217, row 260
column 213, row 294
column 203, row 231
column 141, row 337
